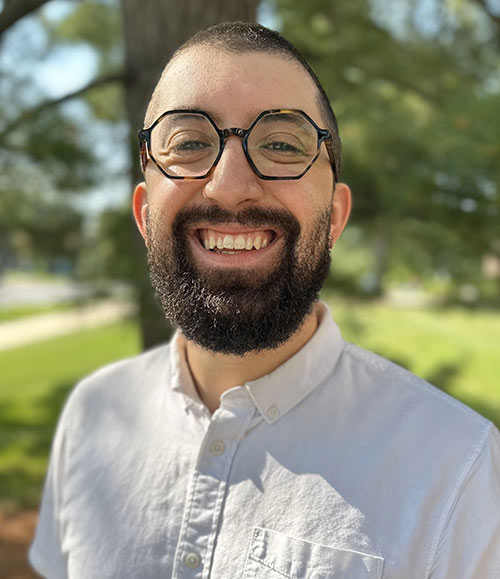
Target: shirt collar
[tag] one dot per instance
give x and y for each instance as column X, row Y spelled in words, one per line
column 278, row 392
column 180, row 374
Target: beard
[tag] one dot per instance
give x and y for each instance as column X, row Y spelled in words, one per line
column 238, row 311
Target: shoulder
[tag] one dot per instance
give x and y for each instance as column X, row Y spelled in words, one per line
column 121, row 373
column 387, row 380
column 408, row 412
column 123, row 384
column 430, row 445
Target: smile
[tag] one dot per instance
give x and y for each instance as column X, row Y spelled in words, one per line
column 235, row 242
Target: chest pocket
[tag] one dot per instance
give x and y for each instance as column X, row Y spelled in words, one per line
column 273, row 555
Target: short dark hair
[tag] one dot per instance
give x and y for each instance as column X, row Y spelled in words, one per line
column 241, row 37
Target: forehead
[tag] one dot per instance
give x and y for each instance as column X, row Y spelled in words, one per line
column 235, row 87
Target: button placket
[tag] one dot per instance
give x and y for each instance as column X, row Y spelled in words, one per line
column 217, row 447
column 192, row 560
column 207, row 491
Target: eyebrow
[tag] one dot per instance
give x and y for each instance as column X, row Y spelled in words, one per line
column 183, row 115
column 214, row 116
column 293, row 117
column 191, row 110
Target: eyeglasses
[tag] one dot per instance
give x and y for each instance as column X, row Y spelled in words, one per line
column 281, row 144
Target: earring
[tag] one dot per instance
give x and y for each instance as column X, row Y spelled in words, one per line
column 331, row 242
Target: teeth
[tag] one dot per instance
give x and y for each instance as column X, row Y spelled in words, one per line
column 228, row 242
column 239, row 242
column 211, row 240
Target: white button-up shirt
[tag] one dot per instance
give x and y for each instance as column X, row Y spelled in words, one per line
column 338, row 464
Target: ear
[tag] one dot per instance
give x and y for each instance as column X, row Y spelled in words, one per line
column 140, row 206
column 341, row 209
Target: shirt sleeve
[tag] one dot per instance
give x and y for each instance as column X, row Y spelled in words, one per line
column 46, row 554
column 469, row 547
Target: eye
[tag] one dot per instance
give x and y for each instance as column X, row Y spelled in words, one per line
column 281, row 147
column 191, row 145
column 188, row 145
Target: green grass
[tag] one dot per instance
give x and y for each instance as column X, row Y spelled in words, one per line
column 456, row 349
column 18, row 312
column 35, row 381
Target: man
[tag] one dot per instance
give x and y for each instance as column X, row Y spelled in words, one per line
column 257, row 443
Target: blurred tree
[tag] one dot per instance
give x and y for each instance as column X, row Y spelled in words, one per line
column 416, row 86
column 41, row 164
column 39, row 230
column 133, row 41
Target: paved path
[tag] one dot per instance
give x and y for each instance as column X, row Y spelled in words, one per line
column 26, row 291
column 41, row 327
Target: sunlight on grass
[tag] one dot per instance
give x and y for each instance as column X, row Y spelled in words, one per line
column 35, row 381
column 18, row 312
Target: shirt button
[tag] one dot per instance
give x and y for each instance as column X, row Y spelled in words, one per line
column 217, row 447
column 192, row 560
column 272, row 412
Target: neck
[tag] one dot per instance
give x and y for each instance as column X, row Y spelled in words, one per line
column 214, row 373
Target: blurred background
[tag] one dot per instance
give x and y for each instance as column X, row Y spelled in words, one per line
column 416, row 277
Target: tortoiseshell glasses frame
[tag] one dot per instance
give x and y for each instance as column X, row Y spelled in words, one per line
column 323, row 136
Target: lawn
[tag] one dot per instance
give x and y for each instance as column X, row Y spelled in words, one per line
column 456, row 349
column 18, row 312
column 34, row 382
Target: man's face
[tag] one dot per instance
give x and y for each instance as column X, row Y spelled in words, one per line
column 238, row 300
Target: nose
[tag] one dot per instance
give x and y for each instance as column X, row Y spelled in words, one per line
column 233, row 182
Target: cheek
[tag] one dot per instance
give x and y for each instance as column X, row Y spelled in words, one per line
column 310, row 205
column 312, row 192
column 167, row 197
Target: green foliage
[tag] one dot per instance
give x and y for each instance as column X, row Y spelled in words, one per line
column 113, row 253
column 94, row 23
column 418, row 109
column 53, row 144
column 414, row 84
column 49, row 156
column 32, row 226
column 107, row 103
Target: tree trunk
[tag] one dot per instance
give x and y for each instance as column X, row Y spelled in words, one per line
column 381, row 247
column 153, row 30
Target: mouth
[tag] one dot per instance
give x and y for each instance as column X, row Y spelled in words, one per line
column 234, row 246
column 229, row 242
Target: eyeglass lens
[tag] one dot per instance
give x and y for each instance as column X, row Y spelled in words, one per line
column 279, row 144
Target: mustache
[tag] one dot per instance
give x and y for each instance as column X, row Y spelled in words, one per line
column 250, row 217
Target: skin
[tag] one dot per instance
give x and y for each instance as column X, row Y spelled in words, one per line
column 234, row 89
